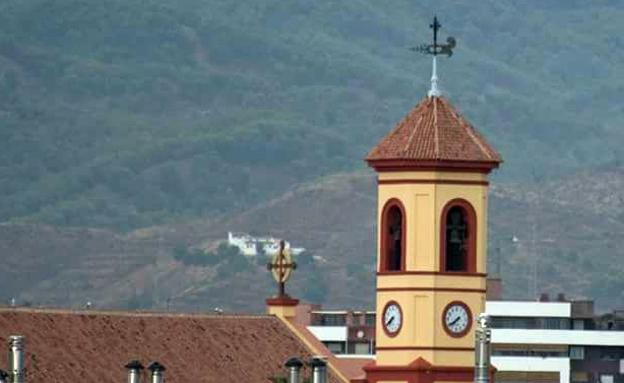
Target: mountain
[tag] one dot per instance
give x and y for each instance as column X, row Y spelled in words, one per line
column 559, row 244
column 125, row 114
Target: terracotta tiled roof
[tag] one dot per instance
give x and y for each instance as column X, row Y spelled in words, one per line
column 354, row 367
column 351, row 369
column 434, row 134
column 69, row 346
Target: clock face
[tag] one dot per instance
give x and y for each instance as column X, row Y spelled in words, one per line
column 392, row 318
column 457, row 319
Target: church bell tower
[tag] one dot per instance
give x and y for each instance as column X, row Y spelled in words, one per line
column 432, row 172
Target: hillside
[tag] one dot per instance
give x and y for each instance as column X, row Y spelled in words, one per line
column 124, row 114
column 575, row 245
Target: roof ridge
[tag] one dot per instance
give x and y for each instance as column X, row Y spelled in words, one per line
column 393, row 131
column 436, row 130
column 471, row 132
column 411, row 136
column 119, row 313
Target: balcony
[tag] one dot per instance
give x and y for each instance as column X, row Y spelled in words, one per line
column 537, row 365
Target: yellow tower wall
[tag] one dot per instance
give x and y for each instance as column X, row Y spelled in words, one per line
column 422, row 290
column 424, row 195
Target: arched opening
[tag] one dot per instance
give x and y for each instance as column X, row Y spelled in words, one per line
column 456, row 239
column 458, row 236
column 393, row 237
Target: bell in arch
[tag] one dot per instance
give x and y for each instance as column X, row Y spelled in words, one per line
column 456, row 227
column 455, row 237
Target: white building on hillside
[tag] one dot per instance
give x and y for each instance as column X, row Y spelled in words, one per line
column 252, row 246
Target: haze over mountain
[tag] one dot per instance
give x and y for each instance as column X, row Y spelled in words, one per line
column 123, row 115
column 561, row 245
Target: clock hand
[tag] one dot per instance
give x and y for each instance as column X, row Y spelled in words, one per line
column 455, row 321
column 389, row 321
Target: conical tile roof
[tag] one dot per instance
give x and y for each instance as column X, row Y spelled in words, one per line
column 434, row 136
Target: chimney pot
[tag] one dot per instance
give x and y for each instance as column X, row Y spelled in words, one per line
column 319, row 370
column 135, row 369
column 16, row 359
column 157, row 370
column 294, row 370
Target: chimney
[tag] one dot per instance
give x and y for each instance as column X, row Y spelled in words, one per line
column 17, row 373
column 135, row 369
column 561, row 297
column 157, row 370
column 482, row 349
column 4, row 377
column 319, row 370
column 494, row 289
column 294, row 370
column 544, row 297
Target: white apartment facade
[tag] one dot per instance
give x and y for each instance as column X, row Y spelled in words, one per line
column 552, row 342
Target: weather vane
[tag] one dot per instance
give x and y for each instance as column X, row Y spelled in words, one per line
column 436, row 49
column 281, row 267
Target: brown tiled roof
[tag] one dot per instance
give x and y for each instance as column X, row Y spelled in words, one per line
column 433, row 134
column 351, row 369
column 69, row 346
column 354, row 367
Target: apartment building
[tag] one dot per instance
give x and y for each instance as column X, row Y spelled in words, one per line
column 532, row 341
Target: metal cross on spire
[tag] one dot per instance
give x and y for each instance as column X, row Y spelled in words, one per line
column 281, row 267
column 436, row 49
column 435, row 26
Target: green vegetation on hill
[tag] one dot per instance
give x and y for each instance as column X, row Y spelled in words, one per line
column 198, row 257
column 566, row 239
column 125, row 114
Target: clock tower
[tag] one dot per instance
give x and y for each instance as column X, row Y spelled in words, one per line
column 432, row 172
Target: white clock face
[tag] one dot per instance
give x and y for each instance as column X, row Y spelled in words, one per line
column 392, row 318
column 456, row 319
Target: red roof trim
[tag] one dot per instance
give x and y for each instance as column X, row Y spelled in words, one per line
column 282, row 301
column 394, row 165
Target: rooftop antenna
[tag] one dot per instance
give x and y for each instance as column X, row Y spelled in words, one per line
column 436, row 49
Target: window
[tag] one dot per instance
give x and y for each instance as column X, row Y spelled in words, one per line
column 359, row 348
column 554, row 324
column 529, row 351
column 370, row 320
column 334, row 319
column 606, row 378
column 458, row 236
column 393, row 236
column 609, row 353
column 577, row 352
column 531, row 323
column 362, row 348
column 335, row 347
